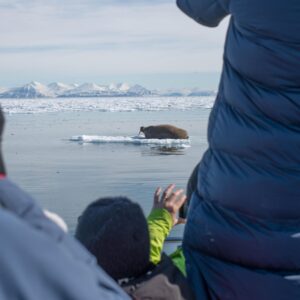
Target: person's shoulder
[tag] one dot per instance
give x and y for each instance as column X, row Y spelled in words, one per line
column 55, row 264
column 164, row 281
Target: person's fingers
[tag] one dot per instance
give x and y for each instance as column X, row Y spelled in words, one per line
column 178, row 192
column 168, row 191
column 173, row 196
column 180, row 201
column 157, row 195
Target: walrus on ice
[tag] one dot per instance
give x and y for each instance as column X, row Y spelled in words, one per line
column 164, row 132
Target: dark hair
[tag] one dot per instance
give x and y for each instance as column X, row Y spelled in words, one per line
column 115, row 231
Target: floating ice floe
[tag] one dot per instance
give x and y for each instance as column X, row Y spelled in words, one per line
column 112, row 104
column 136, row 140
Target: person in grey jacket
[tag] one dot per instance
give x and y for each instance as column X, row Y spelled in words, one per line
column 38, row 260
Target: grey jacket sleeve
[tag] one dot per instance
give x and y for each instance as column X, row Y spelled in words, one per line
column 23, row 205
column 35, row 267
column 206, row 12
column 60, row 268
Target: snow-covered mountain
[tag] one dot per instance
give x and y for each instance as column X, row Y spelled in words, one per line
column 57, row 89
column 33, row 89
column 87, row 90
column 139, row 90
column 123, row 87
column 112, row 90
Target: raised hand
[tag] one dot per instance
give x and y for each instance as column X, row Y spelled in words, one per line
column 171, row 200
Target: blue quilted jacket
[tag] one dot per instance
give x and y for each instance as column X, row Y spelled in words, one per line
column 242, row 239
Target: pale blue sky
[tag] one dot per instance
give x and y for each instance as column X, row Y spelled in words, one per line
column 137, row 41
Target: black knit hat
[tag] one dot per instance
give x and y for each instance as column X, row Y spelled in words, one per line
column 115, row 231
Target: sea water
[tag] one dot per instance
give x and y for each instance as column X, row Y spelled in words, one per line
column 64, row 151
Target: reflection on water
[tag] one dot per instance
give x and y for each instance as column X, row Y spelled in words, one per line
column 162, row 150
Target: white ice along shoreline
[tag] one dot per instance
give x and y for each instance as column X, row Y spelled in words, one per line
column 112, row 104
column 135, row 140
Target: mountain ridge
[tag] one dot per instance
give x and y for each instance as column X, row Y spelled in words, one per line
column 36, row 89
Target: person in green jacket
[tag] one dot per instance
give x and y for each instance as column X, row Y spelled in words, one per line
column 163, row 217
column 129, row 247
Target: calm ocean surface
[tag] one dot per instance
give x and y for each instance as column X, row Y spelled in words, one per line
column 64, row 176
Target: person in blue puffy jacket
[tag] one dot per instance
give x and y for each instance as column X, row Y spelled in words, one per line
column 242, row 238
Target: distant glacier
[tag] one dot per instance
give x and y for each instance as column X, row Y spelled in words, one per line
column 35, row 90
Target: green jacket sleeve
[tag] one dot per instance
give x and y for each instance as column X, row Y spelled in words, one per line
column 178, row 260
column 160, row 224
